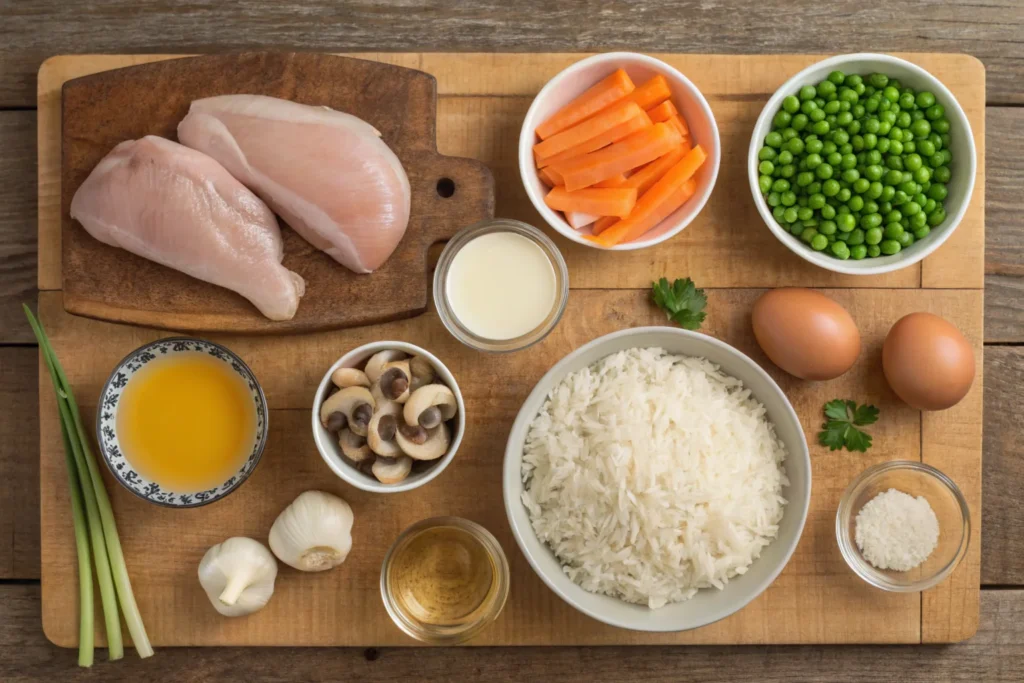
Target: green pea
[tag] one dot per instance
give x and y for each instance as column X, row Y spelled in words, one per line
column 896, row 147
column 947, row 155
column 871, row 106
column 938, row 191
column 871, row 126
column 804, row 179
column 924, row 99
column 846, row 222
column 844, row 119
column 828, row 147
column 794, row 228
column 790, row 215
column 858, row 112
column 906, row 239
column 779, row 212
column 832, row 107
column 827, row 227
column 766, row 168
column 870, row 206
column 855, row 202
column 906, row 101
column 936, row 140
column 840, row 137
column 782, row 119
column 840, row 250
column 858, row 252
column 857, row 143
column 870, row 220
column 936, row 216
column 788, row 134
column 922, row 232
column 909, row 146
column 874, row 251
column 908, row 186
column 926, row 208
column 890, row 93
column 921, row 128
column 808, row 106
column 873, row 235
column 818, row 242
column 935, row 112
column 795, row 146
column 848, row 95
column 873, row 157
column 780, row 185
column 830, row 188
column 808, row 92
column 920, row 198
column 826, row 88
column 919, row 220
column 824, row 171
column 787, row 198
column 883, row 145
column 878, row 80
column 813, row 146
column 844, row 194
column 941, row 174
column 787, row 171
column 941, row 126
column 791, row 104
column 856, row 237
column 893, row 231
column 828, row 212
column 815, row 116
column 913, row 162
column 888, row 192
column 911, row 208
column 945, row 140
column 890, row 247
column 799, row 122
column 784, row 157
column 764, row 182
column 814, row 188
column 893, row 177
column 773, row 139
column 820, row 127
column 922, row 175
column 861, row 185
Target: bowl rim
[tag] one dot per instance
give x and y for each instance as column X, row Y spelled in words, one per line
column 527, row 139
column 847, row 544
column 512, row 467
column 850, row 267
column 346, row 471
column 261, row 436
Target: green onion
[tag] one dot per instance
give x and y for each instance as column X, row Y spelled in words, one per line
column 107, row 552
column 85, row 607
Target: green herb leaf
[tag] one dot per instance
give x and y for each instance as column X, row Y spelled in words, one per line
column 839, row 429
column 682, row 302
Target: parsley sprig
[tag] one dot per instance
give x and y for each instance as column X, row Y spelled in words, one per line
column 682, row 302
column 840, row 427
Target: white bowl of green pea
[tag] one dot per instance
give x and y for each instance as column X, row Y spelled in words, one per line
column 862, row 164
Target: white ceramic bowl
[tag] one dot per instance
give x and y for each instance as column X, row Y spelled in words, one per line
column 963, row 166
column 709, row 605
column 327, row 443
column 572, row 82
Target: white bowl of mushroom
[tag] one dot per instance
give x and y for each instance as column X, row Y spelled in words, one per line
column 388, row 417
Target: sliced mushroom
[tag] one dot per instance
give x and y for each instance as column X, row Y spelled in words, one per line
column 377, row 394
column 422, row 372
column 375, row 366
column 392, row 470
column 353, row 446
column 435, row 445
column 355, row 403
column 395, row 380
column 349, row 377
column 413, row 433
column 380, row 433
column 429, row 406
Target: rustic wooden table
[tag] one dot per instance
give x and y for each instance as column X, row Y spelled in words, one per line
column 992, row 31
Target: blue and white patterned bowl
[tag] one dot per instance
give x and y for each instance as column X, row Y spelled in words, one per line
column 106, row 422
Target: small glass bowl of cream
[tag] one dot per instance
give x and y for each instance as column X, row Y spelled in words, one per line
column 444, row 579
column 500, row 285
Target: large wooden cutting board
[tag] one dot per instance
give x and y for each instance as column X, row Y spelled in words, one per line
column 103, row 109
column 482, row 99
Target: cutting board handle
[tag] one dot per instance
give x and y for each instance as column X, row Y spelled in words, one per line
column 449, row 183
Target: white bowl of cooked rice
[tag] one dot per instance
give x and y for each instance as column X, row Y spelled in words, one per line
column 657, row 479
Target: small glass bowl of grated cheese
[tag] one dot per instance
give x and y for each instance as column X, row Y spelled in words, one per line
column 886, row 526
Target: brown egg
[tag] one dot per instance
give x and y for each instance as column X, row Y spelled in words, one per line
column 927, row 361
column 805, row 333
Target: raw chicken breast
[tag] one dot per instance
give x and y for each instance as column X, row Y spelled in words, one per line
column 180, row 208
column 327, row 174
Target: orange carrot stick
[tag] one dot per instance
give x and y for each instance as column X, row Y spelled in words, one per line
column 615, row 134
column 637, row 149
column 554, row 175
column 603, row 224
column 645, row 177
column 612, row 201
column 662, row 199
column 607, row 91
column 590, row 128
column 677, row 122
column 651, row 93
column 662, row 112
column 546, row 177
column 614, row 181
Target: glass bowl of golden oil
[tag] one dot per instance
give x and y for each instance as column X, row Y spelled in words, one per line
column 444, row 580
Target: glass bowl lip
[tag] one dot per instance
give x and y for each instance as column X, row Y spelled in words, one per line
column 847, row 545
column 493, row 548
column 451, row 321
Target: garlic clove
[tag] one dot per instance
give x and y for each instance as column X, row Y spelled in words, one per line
column 238, row 576
column 314, row 533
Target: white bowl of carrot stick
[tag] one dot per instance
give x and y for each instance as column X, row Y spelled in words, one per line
column 619, row 151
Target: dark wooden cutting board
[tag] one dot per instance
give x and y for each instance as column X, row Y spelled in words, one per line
column 104, row 109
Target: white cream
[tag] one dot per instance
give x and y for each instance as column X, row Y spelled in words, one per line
column 501, row 285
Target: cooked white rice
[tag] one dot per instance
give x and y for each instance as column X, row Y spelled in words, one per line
column 653, row 475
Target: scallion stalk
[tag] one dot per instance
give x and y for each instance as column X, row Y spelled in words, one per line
column 85, row 604
column 91, row 480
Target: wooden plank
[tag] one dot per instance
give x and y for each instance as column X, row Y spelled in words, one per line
column 17, row 223
column 31, row 32
column 483, row 99
column 19, row 464
column 816, row 599
column 994, row 655
column 951, row 440
column 1004, row 246
column 1002, row 512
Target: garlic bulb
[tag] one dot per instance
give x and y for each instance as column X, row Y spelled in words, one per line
column 314, row 533
column 238, row 576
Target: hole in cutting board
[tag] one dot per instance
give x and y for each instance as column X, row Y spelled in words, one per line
column 446, row 187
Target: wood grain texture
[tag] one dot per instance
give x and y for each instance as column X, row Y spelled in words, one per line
column 17, row 223
column 991, row 30
column 816, row 599
column 19, row 466
column 1002, row 512
column 482, row 102
column 1004, row 245
column 994, row 655
column 102, row 110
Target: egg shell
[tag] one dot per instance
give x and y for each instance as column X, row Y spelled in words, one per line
column 805, row 333
column 927, row 361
